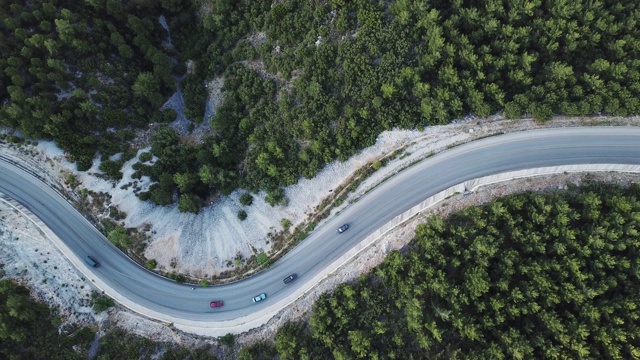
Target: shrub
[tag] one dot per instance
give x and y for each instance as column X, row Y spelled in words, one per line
column 246, row 199
column 101, row 303
column 262, row 258
column 189, row 203
column 168, row 115
column 151, row 264
column 112, row 169
column 144, row 196
column 276, row 197
column 160, row 196
column 179, row 278
column 242, row 215
column 84, row 163
column 120, row 238
column 286, row 223
column 70, row 179
column 145, row 156
column 127, row 153
column 228, row 339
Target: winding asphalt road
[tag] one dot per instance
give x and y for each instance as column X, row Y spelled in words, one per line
column 497, row 154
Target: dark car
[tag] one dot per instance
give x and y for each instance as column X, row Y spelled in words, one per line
column 290, row 278
column 91, row 261
column 343, row 228
column 216, row 304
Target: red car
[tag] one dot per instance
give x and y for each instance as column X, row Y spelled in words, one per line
column 216, row 304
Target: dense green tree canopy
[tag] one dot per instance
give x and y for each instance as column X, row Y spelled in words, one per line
column 308, row 82
column 68, row 70
column 29, row 330
column 528, row 276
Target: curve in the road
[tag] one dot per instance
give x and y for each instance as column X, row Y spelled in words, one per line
column 165, row 300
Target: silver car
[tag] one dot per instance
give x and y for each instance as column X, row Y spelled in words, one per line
column 259, row 297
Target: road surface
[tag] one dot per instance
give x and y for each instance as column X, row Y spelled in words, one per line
column 173, row 302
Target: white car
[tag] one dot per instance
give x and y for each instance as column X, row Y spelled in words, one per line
column 259, row 297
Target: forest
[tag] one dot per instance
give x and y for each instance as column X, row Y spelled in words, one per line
column 31, row 330
column 306, row 82
column 328, row 76
column 85, row 73
column 529, row 276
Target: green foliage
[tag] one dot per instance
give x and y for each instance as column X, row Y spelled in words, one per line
column 195, row 96
column 167, row 116
column 258, row 351
column 70, row 179
column 120, row 238
column 189, row 203
column 294, row 341
column 179, row 278
column 276, row 197
column 84, row 163
column 226, row 24
column 111, row 169
column 204, row 283
column 160, row 196
column 68, row 70
column 147, row 87
column 246, row 199
column 145, row 156
column 242, row 215
column 526, row 276
column 412, row 64
column 332, row 75
column 228, row 339
column 286, row 223
column 151, row 264
column 108, row 226
column 101, row 303
column 262, row 258
column 171, row 173
column 29, row 330
column 118, row 344
column 185, row 182
column 165, row 144
column 179, row 353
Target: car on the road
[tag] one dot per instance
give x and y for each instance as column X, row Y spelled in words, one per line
column 259, row 297
column 290, row 278
column 91, row 261
column 216, row 304
column 343, row 228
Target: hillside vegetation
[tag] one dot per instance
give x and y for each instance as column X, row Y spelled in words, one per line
column 528, row 276
column 310, row 81
column 305, row 81
column 31, row 330
column 85, row 73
